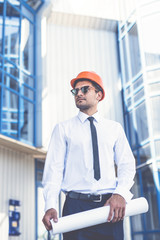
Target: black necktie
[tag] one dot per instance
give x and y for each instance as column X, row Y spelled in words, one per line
column 95, row 149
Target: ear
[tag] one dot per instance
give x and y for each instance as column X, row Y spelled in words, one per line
column 99, row 96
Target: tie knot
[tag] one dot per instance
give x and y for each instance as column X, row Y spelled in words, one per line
column 91, row 119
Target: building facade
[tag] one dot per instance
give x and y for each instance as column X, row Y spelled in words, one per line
column 41, row 48
column 139, row 38
column 18, row 147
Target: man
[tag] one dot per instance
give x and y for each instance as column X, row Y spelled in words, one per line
column 81, row 160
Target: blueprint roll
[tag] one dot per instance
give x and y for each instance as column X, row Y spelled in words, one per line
column 95, row 216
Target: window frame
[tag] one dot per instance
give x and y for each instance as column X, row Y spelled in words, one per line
column 21, row 84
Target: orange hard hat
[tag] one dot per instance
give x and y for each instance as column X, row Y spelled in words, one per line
column 92, row 76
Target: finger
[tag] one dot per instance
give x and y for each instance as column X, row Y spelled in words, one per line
column 111, row 212
column 47, row 223
column 52, row 215
column 55, row 218
column 48, row 227
column 115, row 218
column 120, row 214
column 123, row 212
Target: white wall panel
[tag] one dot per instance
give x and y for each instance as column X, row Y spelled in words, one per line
column 71, row 49
column 17, row 180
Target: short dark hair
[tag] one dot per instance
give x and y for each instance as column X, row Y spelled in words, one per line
column 97, row 87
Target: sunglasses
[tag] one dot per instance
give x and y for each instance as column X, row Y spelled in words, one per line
column 84, row 90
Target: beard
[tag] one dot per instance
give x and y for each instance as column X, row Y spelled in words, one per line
column 82, row 106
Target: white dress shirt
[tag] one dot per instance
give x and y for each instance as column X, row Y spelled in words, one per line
column 69, row 161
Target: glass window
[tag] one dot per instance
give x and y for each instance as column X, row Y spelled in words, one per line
column 27, row 92
column 155, row 115
column 136, row 220
column 157, row 148
column 34, row 4
column 16, row 3
column 0, row 69
column 40, row 165
column 128, row 90
column 125, row 60
column 39, row 176
column 154, row 88
column 153, row 75
column 27, row 45
column 152, row 58
column 148, row 236
column 11, row 82
column 17, row 69
column 27, row 79
column 0, row 76
column 12, row 28
column 138, row 237
column 10, row 100
column 14, row 60
column 27, row 13
column 145, row 153
column 142, row 124
column 135, row 153
column 1, row 25
column 122, row 29
column 129, row 102
column 1, row 62
column 26, row 120
column 10, row 68
column 136, row 187
column 137, row 223
column 150, row 193
column 134, row 50
column 139, row 95
column 151, row 39
column 132, row 130
column 138, row 83
column 10, row 113
column 0, row 98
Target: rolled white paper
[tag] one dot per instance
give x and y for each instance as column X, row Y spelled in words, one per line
column 95, row 216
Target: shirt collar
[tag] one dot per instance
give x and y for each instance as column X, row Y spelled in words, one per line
column 83, row 116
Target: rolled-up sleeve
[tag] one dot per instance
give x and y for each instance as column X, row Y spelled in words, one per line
column 54, row 167
column 125, row 162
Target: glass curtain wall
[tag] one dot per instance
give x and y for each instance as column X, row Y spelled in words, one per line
column 17, row 69
column 139, row 40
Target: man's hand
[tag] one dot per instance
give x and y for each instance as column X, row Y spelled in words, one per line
column 117, row 207
column 50, row 214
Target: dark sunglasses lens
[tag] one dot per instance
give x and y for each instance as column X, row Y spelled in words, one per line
column 85, row 89
column 74, row 92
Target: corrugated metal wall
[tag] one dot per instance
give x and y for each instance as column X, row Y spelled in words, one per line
column 73, row 44
column 17, row 179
